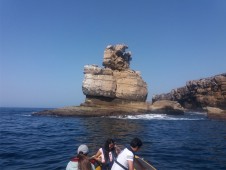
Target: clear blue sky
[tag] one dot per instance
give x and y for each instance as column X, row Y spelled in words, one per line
column 44, row 45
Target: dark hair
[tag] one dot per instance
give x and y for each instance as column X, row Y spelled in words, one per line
column 83, row 162
column 136, row 142
column 107, row 149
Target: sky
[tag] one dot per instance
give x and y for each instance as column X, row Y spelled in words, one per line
column 44, row 45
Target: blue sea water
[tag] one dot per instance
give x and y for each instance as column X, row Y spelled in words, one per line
column 191, row 141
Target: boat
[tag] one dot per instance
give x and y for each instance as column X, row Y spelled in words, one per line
column 139, row 164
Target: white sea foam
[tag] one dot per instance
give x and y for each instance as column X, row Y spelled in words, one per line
column 161, row 117
column 26, row 115
column 197, row 113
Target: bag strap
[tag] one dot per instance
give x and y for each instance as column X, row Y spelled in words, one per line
column 120, row 165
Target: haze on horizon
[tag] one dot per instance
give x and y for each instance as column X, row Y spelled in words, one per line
column 44, row 45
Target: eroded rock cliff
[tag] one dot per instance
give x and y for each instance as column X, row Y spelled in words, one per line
column 198, row 94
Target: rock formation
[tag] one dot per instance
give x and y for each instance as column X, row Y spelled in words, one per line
column 216, row 113
column 167, row 106
column 116, row 57
column 114, row 89
column 199, row 94
column 116, row 82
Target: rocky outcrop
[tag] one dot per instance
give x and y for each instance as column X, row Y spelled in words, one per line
column 98, row 82
column 116, row 57
column 114, row 89
column 216, row 113
column 97, row 107
column 198, row 94
column 167, row 106
column 116, row 81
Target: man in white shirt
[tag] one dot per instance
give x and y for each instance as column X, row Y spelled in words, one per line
column 126, row 157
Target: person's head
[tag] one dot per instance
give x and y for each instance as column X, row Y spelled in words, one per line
column 109, row 144
column 136, row 143
column 83, row 162
column 83, row 149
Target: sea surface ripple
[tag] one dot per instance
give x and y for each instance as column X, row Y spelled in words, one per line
column 191, row 141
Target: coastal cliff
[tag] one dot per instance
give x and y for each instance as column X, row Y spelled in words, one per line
column 201, row 94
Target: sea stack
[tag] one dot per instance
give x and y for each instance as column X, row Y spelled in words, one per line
column 114, row 89
column 115, row 82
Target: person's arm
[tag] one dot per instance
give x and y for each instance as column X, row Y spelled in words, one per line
column 131, row 166
column 97, row 156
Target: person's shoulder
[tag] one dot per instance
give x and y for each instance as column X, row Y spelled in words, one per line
column 72, row 165
column 129, row 151
column 129, row 155
column 93, row 167
column 126, row 152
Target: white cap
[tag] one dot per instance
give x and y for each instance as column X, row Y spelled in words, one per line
column 83, row 148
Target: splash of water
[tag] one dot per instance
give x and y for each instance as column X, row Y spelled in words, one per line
column 187, row 116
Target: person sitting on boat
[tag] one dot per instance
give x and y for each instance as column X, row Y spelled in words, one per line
column 107, row 154
column 125, row 160
column 81, row 161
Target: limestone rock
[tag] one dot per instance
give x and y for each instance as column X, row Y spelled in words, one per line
column 116, row 57
column 126, row 85
column 100, row 108
column 98, row 82
column 116, row 80
column 130, row 86
column 112, row 90
column 213, row 112
column 198, row 94
column 167, row 106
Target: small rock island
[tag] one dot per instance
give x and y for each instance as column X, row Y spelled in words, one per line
column 113, row 89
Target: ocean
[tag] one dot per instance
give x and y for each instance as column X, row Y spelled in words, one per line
column 187, row 142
